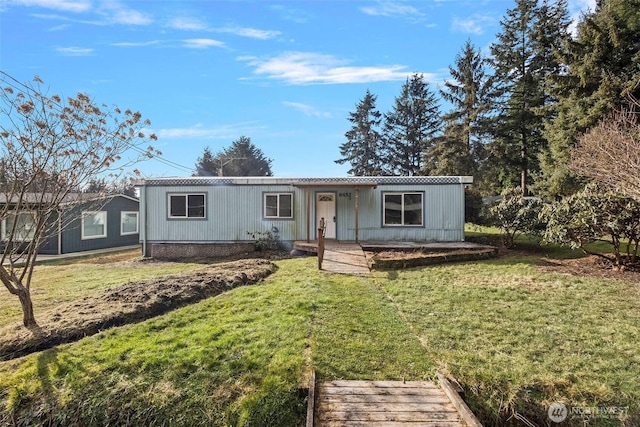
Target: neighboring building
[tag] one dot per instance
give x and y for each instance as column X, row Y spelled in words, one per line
column 209, row 216
column 85, row 222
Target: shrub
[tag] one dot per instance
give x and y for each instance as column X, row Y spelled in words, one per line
column 265, row 240
column 515, row 214
column 593, row 214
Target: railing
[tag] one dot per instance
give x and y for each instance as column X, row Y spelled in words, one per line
column 321, row 229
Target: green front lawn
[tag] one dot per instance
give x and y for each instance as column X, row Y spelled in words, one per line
column 516, row 336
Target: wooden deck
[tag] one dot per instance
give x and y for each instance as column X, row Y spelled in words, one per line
column 384, row 403
column 349, row 257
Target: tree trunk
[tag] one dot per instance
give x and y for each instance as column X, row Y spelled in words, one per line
column 28, row 316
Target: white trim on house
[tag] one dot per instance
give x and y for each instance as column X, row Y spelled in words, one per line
column 87, row 214
column 123, row 215
column 29, row 230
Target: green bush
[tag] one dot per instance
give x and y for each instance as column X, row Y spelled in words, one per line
column 515, row 214
column 593, row 214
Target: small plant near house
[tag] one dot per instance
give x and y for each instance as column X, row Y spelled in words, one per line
column 515, row 214
column 266, row 240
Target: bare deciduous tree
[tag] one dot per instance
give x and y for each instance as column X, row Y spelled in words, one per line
column 50, row 148
column 610, row 153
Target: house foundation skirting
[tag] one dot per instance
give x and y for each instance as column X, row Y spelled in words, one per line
column 174, row 251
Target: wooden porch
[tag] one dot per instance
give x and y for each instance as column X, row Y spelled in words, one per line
column 352, row 257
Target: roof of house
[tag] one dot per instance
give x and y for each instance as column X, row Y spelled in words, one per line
column 352, row 181
column 70, row 198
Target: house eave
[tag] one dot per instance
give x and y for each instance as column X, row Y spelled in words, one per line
column 354, row 181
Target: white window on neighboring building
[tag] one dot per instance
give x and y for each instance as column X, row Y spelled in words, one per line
column 94, row 225
column 21, row 224
column 187, row 206
column 278, row 205
column 403, row 209
column 128, row 223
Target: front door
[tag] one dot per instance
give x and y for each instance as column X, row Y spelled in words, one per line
column 326, row 208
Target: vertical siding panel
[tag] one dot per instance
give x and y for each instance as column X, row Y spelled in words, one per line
column 234, row 210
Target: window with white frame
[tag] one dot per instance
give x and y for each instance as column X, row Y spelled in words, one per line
column 403, row 209
column 20, row 227
column 94, row 225
column 278, row 205
column 128, row 223
column 187, row 205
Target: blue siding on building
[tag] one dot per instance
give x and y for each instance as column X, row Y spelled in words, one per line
column 234, row 208
column 71, row 238
column 72, row 234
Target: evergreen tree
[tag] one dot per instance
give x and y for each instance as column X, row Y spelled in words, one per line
column 206, row 164
column 518, row 127
column 362, row 148
column 410, row 129
column 243, row 158
column 451, row 154
column 603, row 70
column 461, row 150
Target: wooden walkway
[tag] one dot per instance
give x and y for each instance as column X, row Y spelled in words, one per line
column 385, row 403
column 346, row 258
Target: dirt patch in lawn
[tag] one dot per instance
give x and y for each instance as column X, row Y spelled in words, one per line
column 591, row 266
column 129, row 303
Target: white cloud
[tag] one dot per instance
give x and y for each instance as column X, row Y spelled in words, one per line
column 189, row 24
column 577, row 8
column 137, row 44
column 249, row 32
column 74, row 51
column 117, row 13
column 198, row 131
column 202, row 43
column 63, row 5
column 301, row 68
column 391, row 9
column 307, row 110
column 108, row 13
column 474, row 24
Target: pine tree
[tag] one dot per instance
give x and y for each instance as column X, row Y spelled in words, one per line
column 242, row 158
column 517, row 133
column 362, row 148
column 461, row 150
column 410, row 129
column 451, row 154
column 603, row 70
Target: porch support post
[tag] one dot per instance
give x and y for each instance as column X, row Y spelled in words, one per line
column 357, row 215
column 308, row 195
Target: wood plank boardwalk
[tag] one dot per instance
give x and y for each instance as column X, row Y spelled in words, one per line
column 384, row 403
column 346, row 258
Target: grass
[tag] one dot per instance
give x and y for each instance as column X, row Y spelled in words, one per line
column 532, row 244
column 68, row 280
column 516, row 337
column 520, row 340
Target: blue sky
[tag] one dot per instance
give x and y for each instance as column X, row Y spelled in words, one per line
column 284, row 73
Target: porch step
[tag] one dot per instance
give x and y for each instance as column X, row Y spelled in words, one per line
column 345, row 258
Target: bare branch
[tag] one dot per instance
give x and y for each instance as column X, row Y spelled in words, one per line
column 50, row 150
column 610, row 152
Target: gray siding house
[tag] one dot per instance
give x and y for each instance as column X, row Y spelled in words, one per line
column 209, row 216
column 85, row 222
